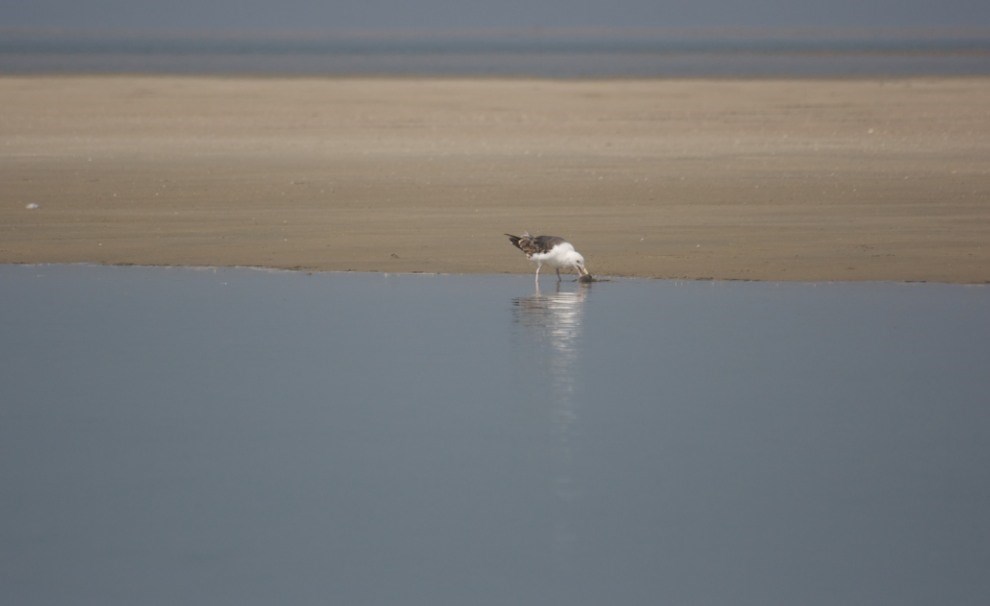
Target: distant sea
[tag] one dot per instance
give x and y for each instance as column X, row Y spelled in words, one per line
column 525, row 53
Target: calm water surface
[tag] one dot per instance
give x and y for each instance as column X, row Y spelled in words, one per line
column 175, row 436
column 596, row 53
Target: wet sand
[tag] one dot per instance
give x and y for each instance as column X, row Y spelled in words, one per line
column 725, row 179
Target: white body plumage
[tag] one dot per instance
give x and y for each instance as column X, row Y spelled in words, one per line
column 550, row 250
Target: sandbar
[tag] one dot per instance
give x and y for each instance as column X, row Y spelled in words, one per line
column 748, row 179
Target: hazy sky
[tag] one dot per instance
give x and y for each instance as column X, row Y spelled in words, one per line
column 323, row 14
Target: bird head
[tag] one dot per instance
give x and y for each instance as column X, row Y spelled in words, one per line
column 578, row 261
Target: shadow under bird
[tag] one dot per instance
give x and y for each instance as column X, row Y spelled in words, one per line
column 553, row 251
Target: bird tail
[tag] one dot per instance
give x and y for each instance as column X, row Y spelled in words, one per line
column 515, row 240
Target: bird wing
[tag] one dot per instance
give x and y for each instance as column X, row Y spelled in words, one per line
column 544, row 244
column 532, row 245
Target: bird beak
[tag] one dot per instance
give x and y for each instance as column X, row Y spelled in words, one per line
column 583, row 271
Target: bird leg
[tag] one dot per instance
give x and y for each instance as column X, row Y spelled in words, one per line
column 558, row 274
column 538, row 266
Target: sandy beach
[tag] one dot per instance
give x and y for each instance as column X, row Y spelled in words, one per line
column 725, row 179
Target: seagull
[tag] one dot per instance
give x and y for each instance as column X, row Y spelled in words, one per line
column 552, row 250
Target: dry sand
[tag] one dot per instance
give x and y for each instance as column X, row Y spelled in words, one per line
column 725, row 179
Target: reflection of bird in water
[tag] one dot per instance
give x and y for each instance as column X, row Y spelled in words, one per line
column 551, row 324
column 552, row 250
column 555, row 318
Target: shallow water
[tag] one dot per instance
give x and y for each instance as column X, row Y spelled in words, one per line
column 530, row 53
column 237, row 436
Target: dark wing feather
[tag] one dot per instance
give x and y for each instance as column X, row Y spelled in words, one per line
column 543, row 244
column 532, row 245
column 515, row 241
column 523, row 243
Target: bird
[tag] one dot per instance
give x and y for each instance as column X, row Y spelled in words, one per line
column 552, row 250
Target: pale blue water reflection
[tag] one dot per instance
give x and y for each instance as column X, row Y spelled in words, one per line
column 235, row 436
